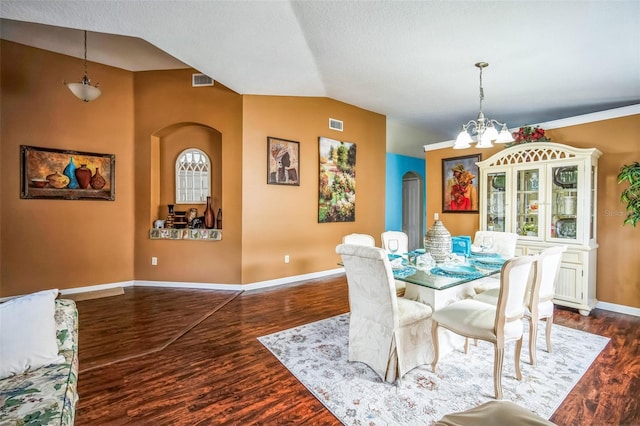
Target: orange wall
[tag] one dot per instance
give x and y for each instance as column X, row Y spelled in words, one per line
column 618, row 270
column 280, row 220
column 167, row 113
column 61, row 243
column 146, row 119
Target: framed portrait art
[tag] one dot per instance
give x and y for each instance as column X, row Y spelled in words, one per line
column 67, row 175
column 460, row 179
column 283, row 162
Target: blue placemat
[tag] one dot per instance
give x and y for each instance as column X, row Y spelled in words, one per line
column 404, row 272
column 441, row 272
column 487, row 265
column 481, row 254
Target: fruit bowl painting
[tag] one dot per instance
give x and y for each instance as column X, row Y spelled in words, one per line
column 65, row 174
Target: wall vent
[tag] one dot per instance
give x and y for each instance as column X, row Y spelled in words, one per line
column 335, row 124
column 200, row 80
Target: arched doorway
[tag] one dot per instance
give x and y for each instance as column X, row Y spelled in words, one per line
column 413, row 209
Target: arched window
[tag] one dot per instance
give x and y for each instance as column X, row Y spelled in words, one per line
column 193, row 176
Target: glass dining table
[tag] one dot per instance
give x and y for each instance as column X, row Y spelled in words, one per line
column 445, row 283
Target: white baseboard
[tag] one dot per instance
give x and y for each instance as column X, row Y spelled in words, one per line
column 97, row 287
column 245, row 287
column 206, row 286
column 621, row 309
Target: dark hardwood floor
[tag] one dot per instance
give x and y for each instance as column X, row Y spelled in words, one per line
column 157, row 356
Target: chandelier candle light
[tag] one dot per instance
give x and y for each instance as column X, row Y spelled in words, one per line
column 84, row 90
column 484, row 128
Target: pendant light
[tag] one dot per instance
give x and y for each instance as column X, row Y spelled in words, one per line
column 484, row 128
column 84, row 90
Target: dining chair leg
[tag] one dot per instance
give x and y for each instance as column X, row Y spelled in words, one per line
column 498, row 358
column 549, row 321
column 517, row 358
column 533, row 338
column 466, row 345
column 434, row 338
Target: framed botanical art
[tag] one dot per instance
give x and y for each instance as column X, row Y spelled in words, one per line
column 337, row 185
column 460, row 184
column 68, row 175
column 283, row 162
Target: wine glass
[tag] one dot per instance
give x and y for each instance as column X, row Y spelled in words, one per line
column 486, row 244
column 393, row 246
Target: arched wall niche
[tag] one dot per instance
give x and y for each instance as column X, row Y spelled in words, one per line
column 166, row 144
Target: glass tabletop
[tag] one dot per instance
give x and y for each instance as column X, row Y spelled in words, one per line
column 445, row 276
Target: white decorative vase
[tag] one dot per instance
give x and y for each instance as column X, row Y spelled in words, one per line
column 437, row 241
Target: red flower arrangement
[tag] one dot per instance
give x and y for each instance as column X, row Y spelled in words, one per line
column 527, row 134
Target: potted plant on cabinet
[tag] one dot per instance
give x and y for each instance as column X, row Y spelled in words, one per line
column 631, row 195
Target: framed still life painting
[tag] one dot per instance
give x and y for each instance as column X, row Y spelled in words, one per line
column 460, row 184
column 67, row 175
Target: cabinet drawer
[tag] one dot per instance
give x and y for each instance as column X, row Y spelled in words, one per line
column 572, row 257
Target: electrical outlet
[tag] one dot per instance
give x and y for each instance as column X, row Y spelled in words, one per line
column 286, row 258
column 154, row 261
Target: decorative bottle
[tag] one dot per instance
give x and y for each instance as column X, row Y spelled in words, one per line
column 70, row 172
column 219, row 219
column 209, row 216
column 97, row 181
column 83, row 176
column 437, row 241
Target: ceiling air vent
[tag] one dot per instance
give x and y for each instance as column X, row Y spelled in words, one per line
column 335, row 124
column 200, row 80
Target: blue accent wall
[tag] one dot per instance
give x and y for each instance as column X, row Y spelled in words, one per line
column 398, row 166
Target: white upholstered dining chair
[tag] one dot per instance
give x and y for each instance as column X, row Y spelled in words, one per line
column 539, row 298
column 359, row 239
column 403, row 247
column 388, row 333
column 401, row 237
column 504, row 243
column 497, row 324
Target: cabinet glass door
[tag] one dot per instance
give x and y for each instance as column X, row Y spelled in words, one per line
column 528, row 203
column 564, row 202
column 496, row 201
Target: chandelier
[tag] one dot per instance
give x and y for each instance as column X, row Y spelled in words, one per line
column 84, row 90
column 484, row 128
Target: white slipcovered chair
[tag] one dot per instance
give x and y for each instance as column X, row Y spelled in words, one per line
column 359, row 239
column 388, row 333
column 401, row 237
column 497, row 324
column 504, row 243
column 403, row 247
column 540, row 296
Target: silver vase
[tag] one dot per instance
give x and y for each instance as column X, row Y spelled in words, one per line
column 437, row 241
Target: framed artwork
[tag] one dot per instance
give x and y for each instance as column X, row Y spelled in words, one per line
column 460, row 184
column 67, row 175
column 337, row 185
column 283, row 162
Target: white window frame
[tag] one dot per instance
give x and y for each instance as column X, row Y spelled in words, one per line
column 193, row 177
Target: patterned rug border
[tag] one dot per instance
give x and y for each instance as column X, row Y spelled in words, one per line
column 601, row 341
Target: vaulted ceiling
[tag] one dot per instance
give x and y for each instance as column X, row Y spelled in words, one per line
column 412, row 61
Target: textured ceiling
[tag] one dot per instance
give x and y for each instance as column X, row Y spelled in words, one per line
column 412, row 61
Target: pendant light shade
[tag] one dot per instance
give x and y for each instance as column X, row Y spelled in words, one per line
column 84, row 90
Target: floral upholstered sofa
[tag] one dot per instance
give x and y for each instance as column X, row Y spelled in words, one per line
column 46, row 395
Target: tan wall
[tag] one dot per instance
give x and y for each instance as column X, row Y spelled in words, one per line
column 618, row 274
column 281, row 220
column 61, row 243
column 171, row 115
column 146, row 119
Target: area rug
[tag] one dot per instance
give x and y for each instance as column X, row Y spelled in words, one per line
column 316, row 354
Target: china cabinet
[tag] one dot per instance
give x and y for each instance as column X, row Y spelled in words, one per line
column 546, row 193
